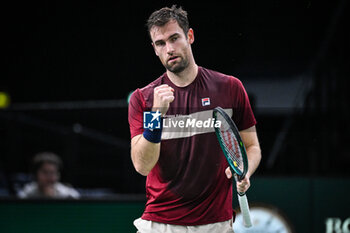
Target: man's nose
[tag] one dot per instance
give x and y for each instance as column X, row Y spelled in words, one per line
column 169, row 48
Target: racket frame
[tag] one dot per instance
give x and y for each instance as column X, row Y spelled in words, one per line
column 240, row 174
column 237, row 174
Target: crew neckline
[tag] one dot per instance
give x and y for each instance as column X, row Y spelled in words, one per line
column 170, row 83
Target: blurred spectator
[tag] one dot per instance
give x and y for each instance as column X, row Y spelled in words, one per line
column 46, row 169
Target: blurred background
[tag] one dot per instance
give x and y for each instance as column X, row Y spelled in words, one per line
column 70, row 67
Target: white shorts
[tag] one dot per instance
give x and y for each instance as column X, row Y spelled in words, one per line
column 144, row 226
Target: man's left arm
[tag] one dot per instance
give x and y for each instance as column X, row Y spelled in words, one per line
column 251, row 142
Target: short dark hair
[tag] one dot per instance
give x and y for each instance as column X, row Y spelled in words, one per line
column 163, row 16
column 46, row 157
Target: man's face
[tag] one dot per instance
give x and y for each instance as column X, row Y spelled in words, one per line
column 47, row 175
column 172, row 46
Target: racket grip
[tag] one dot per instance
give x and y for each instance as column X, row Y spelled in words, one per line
column 243, row 204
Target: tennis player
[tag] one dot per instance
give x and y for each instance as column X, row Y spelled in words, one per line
column 188, row 184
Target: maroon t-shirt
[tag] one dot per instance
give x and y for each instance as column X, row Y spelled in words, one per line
column 188, row 185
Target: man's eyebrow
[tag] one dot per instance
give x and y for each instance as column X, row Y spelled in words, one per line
column 173, row 35
column 158, row 41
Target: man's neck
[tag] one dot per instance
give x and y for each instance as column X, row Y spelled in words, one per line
column 184, row 78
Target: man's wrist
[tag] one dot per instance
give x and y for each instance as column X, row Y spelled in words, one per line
column 154, row 135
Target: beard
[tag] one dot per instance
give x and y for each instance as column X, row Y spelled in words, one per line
column 177, row 67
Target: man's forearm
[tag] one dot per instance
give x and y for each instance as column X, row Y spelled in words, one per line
column 250, row 139
column 254, row 157
column 144, row 154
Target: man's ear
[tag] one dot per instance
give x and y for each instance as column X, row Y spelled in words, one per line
column 190, row 36
column 154, row 49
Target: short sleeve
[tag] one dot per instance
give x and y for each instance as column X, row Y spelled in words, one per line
column 243, row 114
column 135, row 113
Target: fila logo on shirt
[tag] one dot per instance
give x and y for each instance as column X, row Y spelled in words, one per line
column 206, row 101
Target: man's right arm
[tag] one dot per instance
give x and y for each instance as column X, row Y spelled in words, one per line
column 144, row 154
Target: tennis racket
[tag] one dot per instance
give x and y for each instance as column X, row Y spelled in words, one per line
column 235, row 153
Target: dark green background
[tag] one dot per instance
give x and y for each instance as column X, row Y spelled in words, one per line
column 307, row 202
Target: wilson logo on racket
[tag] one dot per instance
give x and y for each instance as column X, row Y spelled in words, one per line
column 236, row 149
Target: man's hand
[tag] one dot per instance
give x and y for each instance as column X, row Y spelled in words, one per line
column 163, row 95
column 243, row 185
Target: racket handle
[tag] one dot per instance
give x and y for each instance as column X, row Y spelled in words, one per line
column 243, row 204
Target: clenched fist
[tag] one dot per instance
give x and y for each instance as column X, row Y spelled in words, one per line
column 163, row 95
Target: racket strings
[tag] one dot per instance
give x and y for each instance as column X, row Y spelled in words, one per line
column 231, row 145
